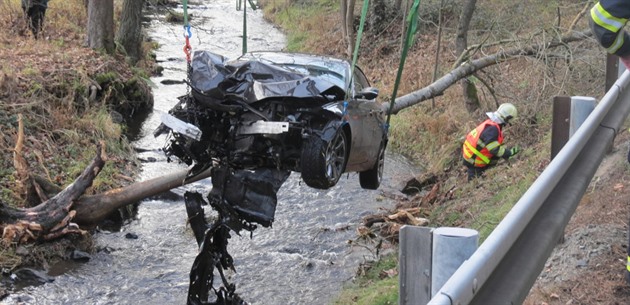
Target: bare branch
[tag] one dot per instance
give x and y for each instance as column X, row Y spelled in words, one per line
column 492, row 92
column 579, row 16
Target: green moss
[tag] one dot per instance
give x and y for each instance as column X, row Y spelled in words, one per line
column 107, row 77
column 35, row 89
column 295, row 42
column 8, row 258
column 30, row 71
column 60, row 42
column 138, row 72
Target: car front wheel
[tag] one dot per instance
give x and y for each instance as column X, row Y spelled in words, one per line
column 371, row 178
column 323, row 162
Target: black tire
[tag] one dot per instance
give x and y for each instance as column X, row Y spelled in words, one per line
column 371, row 178
column 323, row 162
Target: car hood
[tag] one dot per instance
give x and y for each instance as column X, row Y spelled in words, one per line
column 214, row 77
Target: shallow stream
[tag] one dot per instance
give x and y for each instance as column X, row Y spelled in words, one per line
column 305, row 258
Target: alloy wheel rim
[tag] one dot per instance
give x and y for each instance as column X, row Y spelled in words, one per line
column 335, row 156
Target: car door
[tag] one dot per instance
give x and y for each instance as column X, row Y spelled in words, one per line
column 368, row 137
column 372, row 129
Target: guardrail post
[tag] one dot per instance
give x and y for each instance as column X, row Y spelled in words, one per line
column 414, row 259
column 428, row 257
column 568, row 115
column 614, row 69
column 451, row 247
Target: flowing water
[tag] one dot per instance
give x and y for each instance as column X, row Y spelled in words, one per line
column 305, row 258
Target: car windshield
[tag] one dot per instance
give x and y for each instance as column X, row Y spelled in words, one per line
column 317, row 71
column 332, row 70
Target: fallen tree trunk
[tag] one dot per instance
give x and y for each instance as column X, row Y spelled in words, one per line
column 53, row 217
column 94, row 208
column 438, row 87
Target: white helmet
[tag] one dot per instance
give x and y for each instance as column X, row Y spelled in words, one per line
column 506, row 112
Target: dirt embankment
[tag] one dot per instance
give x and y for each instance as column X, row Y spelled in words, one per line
column 68, row 98
column 589, row 266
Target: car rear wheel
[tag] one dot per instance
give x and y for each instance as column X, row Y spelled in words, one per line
column 323, row 162
column 371, row 178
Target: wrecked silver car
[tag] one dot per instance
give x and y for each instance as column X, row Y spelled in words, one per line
column 286, row 111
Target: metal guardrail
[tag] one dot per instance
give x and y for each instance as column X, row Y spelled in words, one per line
column 506, row 265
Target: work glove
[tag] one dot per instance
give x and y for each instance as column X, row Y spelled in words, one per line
column 514, row 150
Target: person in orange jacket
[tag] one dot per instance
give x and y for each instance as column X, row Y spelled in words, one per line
column 607, row 19
column 483, row 146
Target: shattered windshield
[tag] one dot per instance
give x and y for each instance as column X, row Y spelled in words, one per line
column 316, row 71
column 332, row 70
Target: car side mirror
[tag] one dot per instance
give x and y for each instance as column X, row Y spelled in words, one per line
column 368, row 93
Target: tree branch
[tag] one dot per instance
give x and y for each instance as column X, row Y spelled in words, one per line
column 438, row 87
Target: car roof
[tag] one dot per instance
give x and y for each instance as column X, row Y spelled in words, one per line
column 291, row 60
column 292, row 57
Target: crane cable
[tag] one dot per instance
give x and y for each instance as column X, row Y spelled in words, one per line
column 344, row 112
column 187, row 47
column 253, row 6
column 355, row 54
column 412, row 25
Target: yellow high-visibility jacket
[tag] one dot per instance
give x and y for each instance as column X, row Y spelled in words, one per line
column 607, row 19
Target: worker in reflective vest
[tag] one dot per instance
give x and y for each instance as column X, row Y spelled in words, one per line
column 483, row 146
column 607, row 19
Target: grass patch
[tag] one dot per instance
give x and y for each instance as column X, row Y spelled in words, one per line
column 373, row 286
column 301, row 21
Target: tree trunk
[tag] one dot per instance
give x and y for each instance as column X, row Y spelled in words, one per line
column 100, row 25
column 469, row 91
column 468, row 68
column 93, row 209
column 129, row 34
column 437, row 48
column 349, row 24
column 380, row 15
column 53, row 217
column 344, row 15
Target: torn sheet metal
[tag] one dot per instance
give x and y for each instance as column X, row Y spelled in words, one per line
column 214, row 79
column 252, row 194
